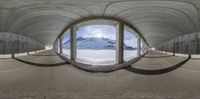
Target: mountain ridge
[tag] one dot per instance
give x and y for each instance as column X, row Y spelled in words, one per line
column 95, row 43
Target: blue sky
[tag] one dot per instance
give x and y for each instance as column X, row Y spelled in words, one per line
column 66, row 37
column 105, row 31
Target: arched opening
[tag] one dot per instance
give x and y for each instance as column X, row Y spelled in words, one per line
column 96, row 44
column 66, row 44
column 130, row 45
column 100, row 44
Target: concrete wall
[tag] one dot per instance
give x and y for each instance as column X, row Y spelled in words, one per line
column 184, row 44
column 16, row 43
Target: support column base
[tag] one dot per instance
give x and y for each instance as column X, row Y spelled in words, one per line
column 189, row 55
column 13, row 55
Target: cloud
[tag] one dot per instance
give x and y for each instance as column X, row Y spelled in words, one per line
column 130, row 39
column 94, row 30
column 105, row 31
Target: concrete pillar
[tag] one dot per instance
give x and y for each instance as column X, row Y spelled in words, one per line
column 57, row 48
column 161, row 49
column 143, row 47
column 120, row 43
column 73, row 43
column 173, row 46
column 189, row 55
column 13, row 49
column 13, row 55
column 139, row 47
column 181, row 44
column 27, row 49
column 54, row 46
column 167, row 47
column 61, row 51
column 197, row 44
column 189, row 50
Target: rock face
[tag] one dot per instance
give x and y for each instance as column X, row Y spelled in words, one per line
column 96, row 44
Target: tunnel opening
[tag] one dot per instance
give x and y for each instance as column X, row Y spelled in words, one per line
column 96, row 44
column 100, row 44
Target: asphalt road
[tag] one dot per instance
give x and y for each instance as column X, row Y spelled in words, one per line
column 46, row 76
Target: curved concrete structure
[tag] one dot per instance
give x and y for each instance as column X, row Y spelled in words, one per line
column 44, row 20
column 165, row 65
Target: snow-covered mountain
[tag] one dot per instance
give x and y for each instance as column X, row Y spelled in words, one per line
column 96, row 43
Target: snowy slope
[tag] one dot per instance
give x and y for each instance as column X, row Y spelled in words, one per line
column 96, row 44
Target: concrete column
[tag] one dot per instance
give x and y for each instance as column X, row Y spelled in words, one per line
column 143, row 47
column 197, row 44
column 161, row 49
column 120, row 43
column 181, row 44
column 189, row 54
column 61, row 51
column 166, row 49
column 55, row 46
column 139, row 47
column 173, row 46
column 13, row 47
column 73, row 43
column 27, row 49
column 189, row 50
column 13, row 55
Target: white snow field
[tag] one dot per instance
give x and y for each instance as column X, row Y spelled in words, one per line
column 100, row 57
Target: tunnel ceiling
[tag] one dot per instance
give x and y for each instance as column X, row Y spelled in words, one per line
column 43, row 20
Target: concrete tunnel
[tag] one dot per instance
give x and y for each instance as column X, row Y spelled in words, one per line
column 99, row 49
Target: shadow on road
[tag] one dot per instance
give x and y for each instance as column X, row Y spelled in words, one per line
column 158, row 56
column 40, row 64
column 43, row 55
column 156, row 72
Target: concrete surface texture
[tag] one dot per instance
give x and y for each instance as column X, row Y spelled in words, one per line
column 43, row 20
column 16, row 43
column 188, row 43
column 46, row 76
